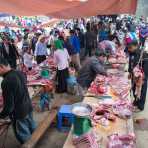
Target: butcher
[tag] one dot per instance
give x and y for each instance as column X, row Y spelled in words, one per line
column 91, row 67
column 138, row 64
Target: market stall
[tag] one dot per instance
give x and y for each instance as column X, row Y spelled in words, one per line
column 111, row 117
column 41, row 83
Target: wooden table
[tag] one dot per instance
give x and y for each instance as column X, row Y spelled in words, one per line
column 120, row 126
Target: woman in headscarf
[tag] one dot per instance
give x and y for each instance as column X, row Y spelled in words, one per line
column 41, row 50
column 61, row 58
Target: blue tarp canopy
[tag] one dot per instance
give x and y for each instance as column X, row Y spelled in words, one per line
column 4, row 15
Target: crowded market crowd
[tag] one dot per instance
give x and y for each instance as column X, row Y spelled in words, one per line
column 81, row 45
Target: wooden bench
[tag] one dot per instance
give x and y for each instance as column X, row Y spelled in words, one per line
column 41, row 129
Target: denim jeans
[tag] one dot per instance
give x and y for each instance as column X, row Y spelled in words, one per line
column 75, row 58
column 23, row 128
column 141, row 101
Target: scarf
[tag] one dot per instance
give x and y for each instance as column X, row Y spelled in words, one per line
column 58, row 44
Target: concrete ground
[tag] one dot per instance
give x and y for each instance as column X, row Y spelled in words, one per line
column 53, row 139
column 142, row 135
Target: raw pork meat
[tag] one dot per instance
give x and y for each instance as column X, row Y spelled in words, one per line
column 87, row 140
column 121, row 141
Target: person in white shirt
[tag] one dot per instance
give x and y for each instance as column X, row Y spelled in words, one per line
column 19, row 45
column 28, row 59
column 61, row 59
column 41, row 50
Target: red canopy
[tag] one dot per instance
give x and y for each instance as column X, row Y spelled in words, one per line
column 34, row 7
column 98, row 7
column 67, row 8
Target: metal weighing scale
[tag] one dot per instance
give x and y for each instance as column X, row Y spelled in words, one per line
column 82, row 122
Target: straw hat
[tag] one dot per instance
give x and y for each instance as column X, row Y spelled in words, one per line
column 41, row 38
column 66, row 32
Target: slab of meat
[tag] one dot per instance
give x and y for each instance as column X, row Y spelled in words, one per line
column 50, row 63
column 123, row 109
column 121, row 141
column 112, row 60
column 99, row 85
column 33, row 76
column 102, row 114
column 87, row 140
column 41, row 82
column 120, row 86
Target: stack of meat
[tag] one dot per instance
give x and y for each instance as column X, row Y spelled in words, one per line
column 99, row 85
column 121, row 52
column 123, row 109
column 87, row 140
column 123, row 90
column 32, row 75
column 121, row 141
column 102, row 114
column 42, row 82
column 51, row 63
column 114, row 62
column 117, row 59
column 115, row 72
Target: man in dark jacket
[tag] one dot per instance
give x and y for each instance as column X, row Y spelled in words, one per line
column 17, row 103
column 80, row 35
column 9, row 52
column 134, row 57
column 89, row 41
column 34, row 41
column 91, row 67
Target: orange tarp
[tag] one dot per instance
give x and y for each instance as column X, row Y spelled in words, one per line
column 34, row 7
column 67, row 8
column 98, row 7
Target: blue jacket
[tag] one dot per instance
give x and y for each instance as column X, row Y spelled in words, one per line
column 74, row 40
column 103, row 35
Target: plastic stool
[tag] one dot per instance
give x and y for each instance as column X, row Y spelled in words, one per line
column 64, row 112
